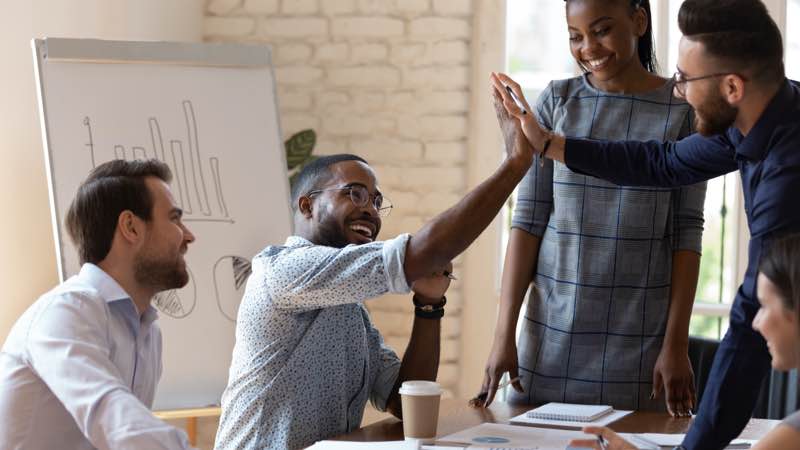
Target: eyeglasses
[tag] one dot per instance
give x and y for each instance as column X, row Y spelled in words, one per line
column 680, row 80
column 360, row 196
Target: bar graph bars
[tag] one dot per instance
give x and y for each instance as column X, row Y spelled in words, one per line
column 196, row 183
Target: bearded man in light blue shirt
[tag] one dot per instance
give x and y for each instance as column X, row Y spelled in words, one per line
column 79, row 368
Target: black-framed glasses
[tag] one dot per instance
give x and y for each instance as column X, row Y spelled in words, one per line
column 680, row 80
column 360, row 196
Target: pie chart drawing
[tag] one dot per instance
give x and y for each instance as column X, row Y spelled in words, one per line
column 178, row 303
column 230, row 278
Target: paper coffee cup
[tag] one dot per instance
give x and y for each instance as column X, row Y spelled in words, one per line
column 420, row 403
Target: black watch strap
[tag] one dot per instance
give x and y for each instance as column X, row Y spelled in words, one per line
column 427, row 311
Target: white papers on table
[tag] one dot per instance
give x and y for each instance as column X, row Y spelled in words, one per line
column 657, row 441
column 613, row 416
column 495, row 435
column 346, row 445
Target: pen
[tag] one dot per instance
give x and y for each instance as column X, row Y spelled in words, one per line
column 482, row 396
column 602, row 442
column 516, row 99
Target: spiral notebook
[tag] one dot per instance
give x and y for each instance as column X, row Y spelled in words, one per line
column 569, row 411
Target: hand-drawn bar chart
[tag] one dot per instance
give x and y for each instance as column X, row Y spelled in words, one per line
column 191, row 172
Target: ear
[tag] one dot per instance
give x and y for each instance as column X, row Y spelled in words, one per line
column 732, row 87
column 130, row 226
column 304, row 206
column 640, row 21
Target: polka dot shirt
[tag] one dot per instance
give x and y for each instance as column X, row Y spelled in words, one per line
column 307, row 357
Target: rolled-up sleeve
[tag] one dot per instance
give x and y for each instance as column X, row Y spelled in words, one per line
column 314, row 276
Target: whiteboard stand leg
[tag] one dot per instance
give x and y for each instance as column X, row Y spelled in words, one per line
column 191, row 430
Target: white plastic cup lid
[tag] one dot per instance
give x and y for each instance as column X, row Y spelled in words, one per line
column 419, row 387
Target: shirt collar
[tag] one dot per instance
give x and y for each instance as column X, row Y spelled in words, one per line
column 755, row 145
column 111, row 291
column 297, row 241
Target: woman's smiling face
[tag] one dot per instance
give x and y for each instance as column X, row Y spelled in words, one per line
column 604, row 35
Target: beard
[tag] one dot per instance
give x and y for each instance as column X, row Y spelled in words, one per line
column 160, row 272
column 714, row 116
column 330, row 234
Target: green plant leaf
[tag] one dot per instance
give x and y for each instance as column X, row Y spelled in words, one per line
column 299, row 147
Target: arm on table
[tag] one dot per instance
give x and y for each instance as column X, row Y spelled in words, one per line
column 421, row 359
column 673, row 370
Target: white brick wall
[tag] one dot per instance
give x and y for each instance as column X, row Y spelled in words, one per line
column 388, row 80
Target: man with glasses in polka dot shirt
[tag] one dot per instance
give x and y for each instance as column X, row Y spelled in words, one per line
column 307, row 356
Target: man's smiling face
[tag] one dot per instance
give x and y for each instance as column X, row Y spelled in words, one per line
column 336, row 220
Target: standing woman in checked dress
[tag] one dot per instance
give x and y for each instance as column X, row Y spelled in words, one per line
column 614, row 269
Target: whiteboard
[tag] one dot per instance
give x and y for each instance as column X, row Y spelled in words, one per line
column 209, row 111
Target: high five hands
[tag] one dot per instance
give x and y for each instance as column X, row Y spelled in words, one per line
column 534, row 133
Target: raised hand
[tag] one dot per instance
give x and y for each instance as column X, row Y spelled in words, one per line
column 673, row 374
column 517, row 146
column 535, row 133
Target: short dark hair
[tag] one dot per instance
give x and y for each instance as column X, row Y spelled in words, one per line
column 644, row 46
column 316, row 173
column 110, row 189
column 739, row 32
column 781, row 264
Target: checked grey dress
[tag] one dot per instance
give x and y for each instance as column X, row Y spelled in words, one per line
column 597, row 314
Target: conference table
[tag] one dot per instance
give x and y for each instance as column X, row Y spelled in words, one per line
column 455, row 415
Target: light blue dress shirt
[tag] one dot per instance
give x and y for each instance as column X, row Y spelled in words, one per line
column 79, row 371
column 307, row 357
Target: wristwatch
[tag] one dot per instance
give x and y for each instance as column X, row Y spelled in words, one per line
column 428, row 311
